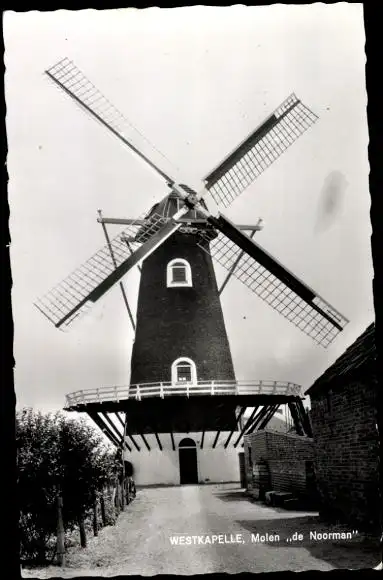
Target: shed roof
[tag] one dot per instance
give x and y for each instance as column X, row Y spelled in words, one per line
column 360, row 353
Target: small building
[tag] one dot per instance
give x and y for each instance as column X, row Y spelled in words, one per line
column 346, row 439
column 280, row 461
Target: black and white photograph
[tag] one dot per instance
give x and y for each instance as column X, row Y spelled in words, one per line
column 194, row 328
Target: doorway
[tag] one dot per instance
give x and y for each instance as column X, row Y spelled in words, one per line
column 187, row 451
column 242, row 469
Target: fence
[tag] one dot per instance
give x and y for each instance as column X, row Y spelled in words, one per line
column 107, row 506
column 168, row 389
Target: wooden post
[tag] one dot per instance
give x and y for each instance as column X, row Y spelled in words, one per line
column 60, row 533
column 102, row 504
column 81, row 526
column 123, row 486
column 95, row 522
column 118, row 499
column 123, row 492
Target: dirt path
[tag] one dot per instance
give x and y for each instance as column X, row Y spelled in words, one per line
column 141, row 541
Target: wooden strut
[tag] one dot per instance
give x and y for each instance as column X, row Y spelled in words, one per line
column 249, row 421
column 237, row 423
column 269, row 415
column 115, row 265
column 240, row 435
column 104, row 428
column 216, row 438
column 156, row 434
column 202, row 439
column 124, row 425
column 172, row 438
column 112, row 425
column 131, row 252
column 296, row 418
column 144, row 440
column 304, row 418
column 300, row 418
column 261, row 414
column 261, row 420
column 142, row 222
column 205, row 424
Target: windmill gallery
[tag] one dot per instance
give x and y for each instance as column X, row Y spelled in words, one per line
column 183, row 415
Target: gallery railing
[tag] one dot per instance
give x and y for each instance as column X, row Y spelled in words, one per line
column 168, row 389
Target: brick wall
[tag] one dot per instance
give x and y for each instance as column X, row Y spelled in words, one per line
column 347, row 449
column 179, row 322
column 277, row 462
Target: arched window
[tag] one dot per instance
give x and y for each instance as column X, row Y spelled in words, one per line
column 184, row 371
column 178, row 273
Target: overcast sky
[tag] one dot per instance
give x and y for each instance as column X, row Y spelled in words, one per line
column 194, row 81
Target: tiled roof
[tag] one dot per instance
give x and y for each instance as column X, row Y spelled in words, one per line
column 361, row 352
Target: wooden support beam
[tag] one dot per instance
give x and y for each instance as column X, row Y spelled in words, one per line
column 155, row 431
column 131, row 252
column 104, row 428
column 251, row 419
column 144, row 440
column 115, row 265
column 257, row 420
column 216, row 439
column 205, row 422
column 122, row 422
column 269, row 414
column 296, row 418
column 127, row 432
column 133, row 441
column 237, row 423
column 305, row 419
column 243, row 430
column 234, row 266
column 158, row 440
column 172, row 438
column 113, row 427
column 140, row 222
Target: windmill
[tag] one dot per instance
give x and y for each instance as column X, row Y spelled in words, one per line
column 181, row 223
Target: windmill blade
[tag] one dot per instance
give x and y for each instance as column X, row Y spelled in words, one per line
column 66, row 75
column 74, row 295
column 272, row 282
column 259, row 150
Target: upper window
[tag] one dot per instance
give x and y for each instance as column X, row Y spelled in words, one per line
column 184, row 371
column 178, row 273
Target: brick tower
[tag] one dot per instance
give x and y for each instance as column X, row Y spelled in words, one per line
column 180, row 333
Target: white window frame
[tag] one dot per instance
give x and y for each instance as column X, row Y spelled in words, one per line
column 169, row 274
column 190, row 362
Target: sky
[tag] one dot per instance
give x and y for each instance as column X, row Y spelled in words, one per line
column 194, row 82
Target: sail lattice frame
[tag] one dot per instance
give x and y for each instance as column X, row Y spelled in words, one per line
column 259, row 150
column 314, row 317
column 67, row 301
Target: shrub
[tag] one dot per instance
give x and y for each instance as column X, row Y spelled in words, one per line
column 56, row 455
